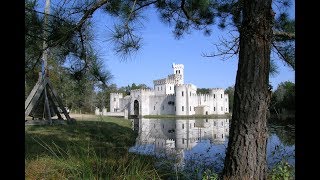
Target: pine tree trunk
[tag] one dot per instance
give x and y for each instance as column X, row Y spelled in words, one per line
column 246, row 153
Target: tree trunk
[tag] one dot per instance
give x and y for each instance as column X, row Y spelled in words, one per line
column 246, row 153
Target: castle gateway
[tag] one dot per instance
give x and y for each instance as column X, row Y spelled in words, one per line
column 171, row 96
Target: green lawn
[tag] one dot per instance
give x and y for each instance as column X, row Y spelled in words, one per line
column 93, row 148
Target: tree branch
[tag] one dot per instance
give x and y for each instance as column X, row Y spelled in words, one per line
column 145, row 5
column 283, row 35
column 89, row 13
column 291, row 64
column 185, row 11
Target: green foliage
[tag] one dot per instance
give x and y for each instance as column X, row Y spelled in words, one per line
column 209, row 175
column 283, row 97
column 230, row 92
column 203, row 91
column 282, row 171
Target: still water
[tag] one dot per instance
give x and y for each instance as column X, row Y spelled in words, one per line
column 201, row 143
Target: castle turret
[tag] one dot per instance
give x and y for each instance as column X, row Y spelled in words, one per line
column 178, row 72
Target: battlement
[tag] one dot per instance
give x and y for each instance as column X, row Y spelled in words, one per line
column 216, row 89
column 187, row 86
column 177, row 66
column 141, row 90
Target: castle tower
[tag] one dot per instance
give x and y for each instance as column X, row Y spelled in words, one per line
column 178, row 72
column 115, row 102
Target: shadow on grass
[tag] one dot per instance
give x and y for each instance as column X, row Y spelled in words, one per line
column 103, row 137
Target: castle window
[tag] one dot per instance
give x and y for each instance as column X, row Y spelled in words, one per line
column 161, row 88
column 170, row 87
column 226, row 109
column 215, row 136
column 154, row 107
column 182, row 93
column 221, row 123
column 179, row 71
column 158, row 88
column 214, row 108
column 182, row 126
column 176, row 71
column 162, row 107
column 206, row 120
column 190, row 95
column 221, row 108
column 182, row 108
column 214, row 123
column 194, row 124
column 182, row 140
column 222, row 135
column 162, row 126
column 175, row 108
column 190, row 108
column 114, row 99
column 221, row 96
column 214, row 96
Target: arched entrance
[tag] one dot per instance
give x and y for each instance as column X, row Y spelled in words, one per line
column 136, row 107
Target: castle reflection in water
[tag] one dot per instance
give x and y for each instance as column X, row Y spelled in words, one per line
column 163, row 137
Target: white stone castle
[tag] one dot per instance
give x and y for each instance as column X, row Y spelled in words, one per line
column 171, row 96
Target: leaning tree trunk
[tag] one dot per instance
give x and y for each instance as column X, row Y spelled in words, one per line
column 246, row 153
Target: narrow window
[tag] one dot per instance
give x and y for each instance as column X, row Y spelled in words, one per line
column 179, row 71
column 190, row 125
column 182, row 93
column 182, row 108
column 161, row 88
column 182, row 126
column 170, row 87
column 190, row 93
column 222, row 135
column 206, row 120
column 176, row 71
column 114, row 99
column 214, row 123
column 221, row 123
column 194, row 124
column 182, row 140
column 221, row 96
column 154, row 125
column 162, row 126
column 190, row 108
column 175, row 108
column 158, row 88
column 215, row 136
column 214, row 96
column 162, row 107
column 214, row 108
column 154, row 107
column 226, row 109
column 221, row 108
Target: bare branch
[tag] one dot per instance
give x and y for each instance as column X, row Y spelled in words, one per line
column 225, row 48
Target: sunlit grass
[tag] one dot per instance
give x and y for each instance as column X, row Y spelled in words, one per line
column 94, row 148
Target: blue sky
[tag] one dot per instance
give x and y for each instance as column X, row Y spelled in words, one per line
column 160, row 49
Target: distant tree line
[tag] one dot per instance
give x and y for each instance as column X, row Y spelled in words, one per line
column 283, row 98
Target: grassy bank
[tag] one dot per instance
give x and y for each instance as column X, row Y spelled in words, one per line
column 93, row 148
column 212, row 116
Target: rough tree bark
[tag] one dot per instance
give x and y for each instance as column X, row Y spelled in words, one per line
column 246, row 153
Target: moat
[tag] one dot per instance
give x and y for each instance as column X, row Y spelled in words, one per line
column 196, row 144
